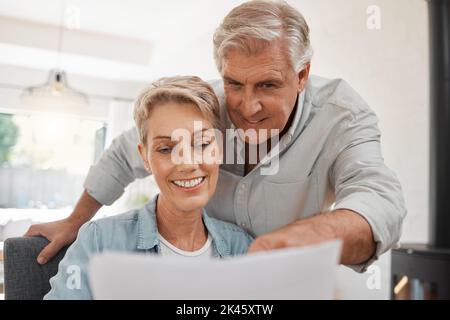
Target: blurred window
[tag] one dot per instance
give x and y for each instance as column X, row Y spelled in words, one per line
column 44, row 159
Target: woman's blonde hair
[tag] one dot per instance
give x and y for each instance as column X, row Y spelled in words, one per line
column 179, row 89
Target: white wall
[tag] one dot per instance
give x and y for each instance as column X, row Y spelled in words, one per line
column 389, row 68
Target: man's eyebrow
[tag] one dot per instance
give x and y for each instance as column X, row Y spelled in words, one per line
column 226, row 78
column 162, row 137
column 268, row 79
column 275, row 80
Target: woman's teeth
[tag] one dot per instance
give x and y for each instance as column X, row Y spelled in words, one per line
column 188, row 183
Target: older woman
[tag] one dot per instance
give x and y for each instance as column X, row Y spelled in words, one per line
column 173, row 222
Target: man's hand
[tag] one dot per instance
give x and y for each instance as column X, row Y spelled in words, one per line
column 60, row 233
column 63, row 232
column 297, row 234
column 352, row 228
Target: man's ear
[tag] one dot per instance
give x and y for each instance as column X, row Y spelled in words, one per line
column 303, row 77
column 143, row 154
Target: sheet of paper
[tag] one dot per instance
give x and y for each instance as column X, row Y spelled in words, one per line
column 300, row 273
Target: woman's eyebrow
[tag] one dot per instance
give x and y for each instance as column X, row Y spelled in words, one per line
column 201, row 131
column 170, row 138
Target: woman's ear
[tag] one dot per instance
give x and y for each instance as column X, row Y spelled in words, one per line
column 303, row 77
column 143, row 154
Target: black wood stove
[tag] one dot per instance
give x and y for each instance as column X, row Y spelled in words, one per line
column 422, row 271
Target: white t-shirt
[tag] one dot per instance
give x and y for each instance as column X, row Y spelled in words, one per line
column 168, row 249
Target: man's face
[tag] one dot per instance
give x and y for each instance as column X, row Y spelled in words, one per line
column 261, row 90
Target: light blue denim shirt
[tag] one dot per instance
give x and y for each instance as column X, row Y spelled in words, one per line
column 133, row 231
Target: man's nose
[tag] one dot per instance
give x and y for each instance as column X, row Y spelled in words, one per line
column 250, row 104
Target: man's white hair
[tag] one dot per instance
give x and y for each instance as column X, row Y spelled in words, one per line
column 251, row 26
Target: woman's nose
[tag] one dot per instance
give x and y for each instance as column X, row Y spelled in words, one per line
column 192, row 160
column 188, row 167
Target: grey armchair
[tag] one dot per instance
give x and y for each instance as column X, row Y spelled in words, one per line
column 25, row 279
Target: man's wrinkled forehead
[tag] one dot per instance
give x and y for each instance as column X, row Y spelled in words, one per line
column 270, row 64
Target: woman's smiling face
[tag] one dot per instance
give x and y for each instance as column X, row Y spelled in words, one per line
column 189, row 185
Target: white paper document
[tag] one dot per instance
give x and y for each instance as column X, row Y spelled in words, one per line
column 299, row 273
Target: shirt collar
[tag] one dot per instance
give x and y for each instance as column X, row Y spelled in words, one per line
column 298, row 113
column 283, row 142
column 218, row 241
column 148, row 230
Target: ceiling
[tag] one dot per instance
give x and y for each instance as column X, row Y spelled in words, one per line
column 142, row 19
column 178, row 32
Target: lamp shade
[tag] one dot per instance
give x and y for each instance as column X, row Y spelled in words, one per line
column 55, row 96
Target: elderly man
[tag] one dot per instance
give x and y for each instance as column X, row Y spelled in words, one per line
column 331, row 180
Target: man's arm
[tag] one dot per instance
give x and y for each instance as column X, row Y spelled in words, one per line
column 356, row 234
column 119, row 165
column 369, row 207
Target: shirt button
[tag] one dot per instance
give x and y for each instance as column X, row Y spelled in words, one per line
column 287, row 139
column 243, row 186
column 243, row 225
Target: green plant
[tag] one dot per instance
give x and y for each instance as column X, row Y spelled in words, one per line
column 9, row 133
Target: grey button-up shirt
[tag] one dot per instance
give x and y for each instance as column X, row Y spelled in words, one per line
column 330, row 158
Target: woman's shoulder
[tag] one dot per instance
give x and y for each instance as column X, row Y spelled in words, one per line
column 113, row 232
column 130, row 216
